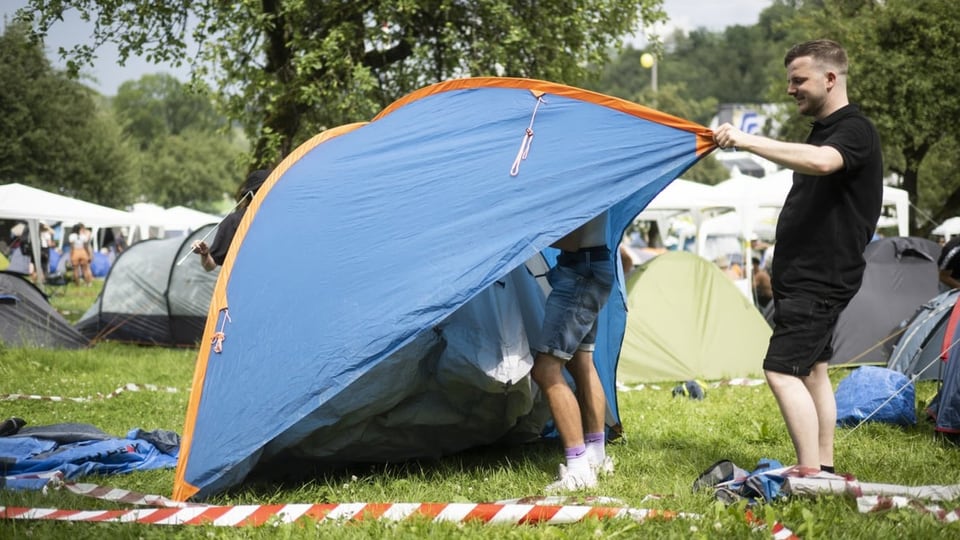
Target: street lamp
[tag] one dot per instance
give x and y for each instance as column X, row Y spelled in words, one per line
column 649, row 61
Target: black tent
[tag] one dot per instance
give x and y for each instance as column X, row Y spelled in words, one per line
column 901, row 274
column 149, row 298
column 28, row 320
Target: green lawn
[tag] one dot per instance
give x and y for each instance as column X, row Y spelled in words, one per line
column 669, row 441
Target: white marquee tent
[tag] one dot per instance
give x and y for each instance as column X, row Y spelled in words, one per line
column 32, row 205
column 753, row 201
column 949, row 228
column 771, row 190
column 167, row 222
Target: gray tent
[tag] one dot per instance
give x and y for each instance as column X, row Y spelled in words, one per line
column 148, row 298
column 917, row 352
column 901, row 274
column 28, row 320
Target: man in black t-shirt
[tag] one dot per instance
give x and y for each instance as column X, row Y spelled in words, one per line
column 949, row 264
column 827, row 220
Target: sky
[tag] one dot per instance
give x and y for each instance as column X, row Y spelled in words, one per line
column 107, row 75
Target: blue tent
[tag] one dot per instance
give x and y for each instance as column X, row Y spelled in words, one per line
column 424, row 229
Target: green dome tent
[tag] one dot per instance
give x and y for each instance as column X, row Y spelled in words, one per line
column 686, row 320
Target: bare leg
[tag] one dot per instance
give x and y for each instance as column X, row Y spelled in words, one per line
column 548, row 374
column 821, row 390
column 800, row 414
column 590, row 395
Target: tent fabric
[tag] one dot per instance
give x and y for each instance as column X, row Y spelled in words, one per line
column 167, row 222
column 901, row 274
column 28, row 320
column 411, row 216
column 18, row 201
column 149, row 298
column 687, row 320
column 917, row 350
column 949, row 227
column 771, row 190
column 944, row 408
column 33, row 205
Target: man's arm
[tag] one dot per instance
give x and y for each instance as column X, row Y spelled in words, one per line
column 947, row 279
column 803, row 158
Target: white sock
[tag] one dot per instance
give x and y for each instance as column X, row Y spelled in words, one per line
column 580, row 464
column 596, row 451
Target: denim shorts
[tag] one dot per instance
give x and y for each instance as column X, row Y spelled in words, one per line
column 802, row 334
column 580, row 288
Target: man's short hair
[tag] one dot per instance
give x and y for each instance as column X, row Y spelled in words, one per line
column 821, row 50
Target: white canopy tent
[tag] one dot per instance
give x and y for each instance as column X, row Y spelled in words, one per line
column 32, row 205
column 752, row 202
column 183, row 218
column 684, row 199
column 771, row 190
column 175, row 221
column 949, row 228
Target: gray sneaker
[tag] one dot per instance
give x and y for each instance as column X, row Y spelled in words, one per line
column 603, row 469
column 572, row 481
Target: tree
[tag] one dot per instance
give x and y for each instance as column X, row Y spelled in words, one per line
column 54, row 134
column 286, row 69
column 159, row 105
column 188, row 154
column 192, row 169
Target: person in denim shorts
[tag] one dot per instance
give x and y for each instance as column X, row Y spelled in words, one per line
column 581, row 282
column 827, row 220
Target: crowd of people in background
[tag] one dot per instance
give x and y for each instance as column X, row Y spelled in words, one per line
column 62, row 254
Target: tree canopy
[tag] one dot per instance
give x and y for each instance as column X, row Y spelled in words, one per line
column 284, row 70
column 187, row 153
column 287, row 69
column 55, row 134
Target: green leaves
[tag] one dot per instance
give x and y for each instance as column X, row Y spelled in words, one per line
column 54, row 134
column 286, row 70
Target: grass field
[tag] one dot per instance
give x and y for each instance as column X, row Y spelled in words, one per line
column 669, row 441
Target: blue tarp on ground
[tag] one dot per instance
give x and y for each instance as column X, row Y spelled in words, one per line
column 77, row 450
column 876, row 394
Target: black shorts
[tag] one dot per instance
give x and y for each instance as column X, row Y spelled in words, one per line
column 802, row 332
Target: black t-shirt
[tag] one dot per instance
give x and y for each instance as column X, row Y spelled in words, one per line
column 827, row 221
column 225, row 233
column 950, row 257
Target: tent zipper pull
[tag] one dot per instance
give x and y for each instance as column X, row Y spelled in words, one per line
column 527, row 140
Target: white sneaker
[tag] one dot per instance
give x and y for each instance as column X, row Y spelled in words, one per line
column 604, row 468
column 572, row 480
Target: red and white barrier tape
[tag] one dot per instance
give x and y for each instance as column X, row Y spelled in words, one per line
column 129, row 387
column 540, row 509
column 253, row 515
column 121, row 495
column 777, row 529
column 879, row 503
